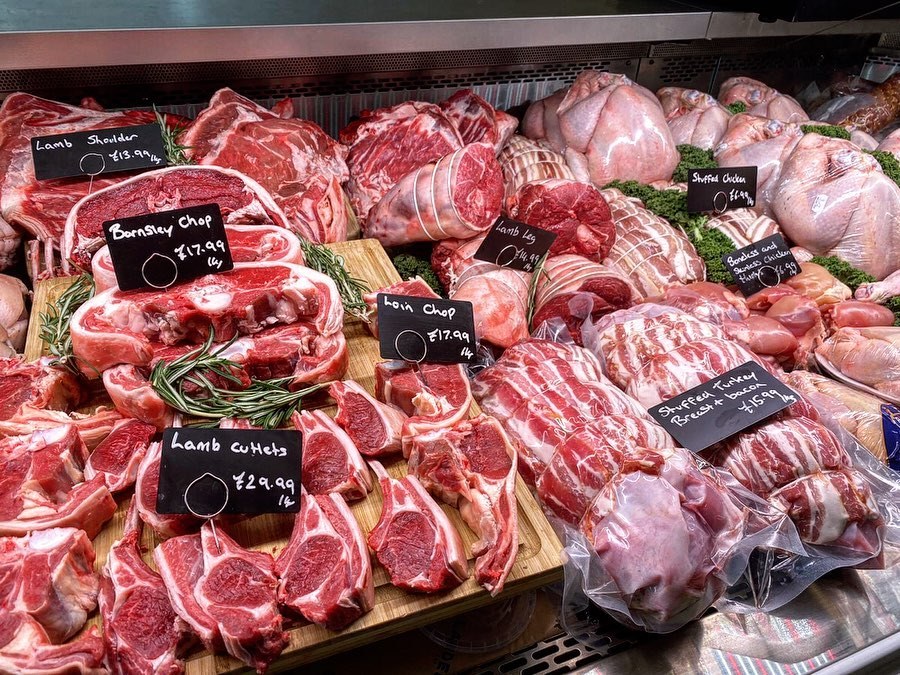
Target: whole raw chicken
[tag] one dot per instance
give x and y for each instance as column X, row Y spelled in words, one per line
column 760, row 142
column 891, row 143
column 870, row 356
column 694, row 117
column 834, row 199
column 13, row 315
column 608, row 127
column 761, row 100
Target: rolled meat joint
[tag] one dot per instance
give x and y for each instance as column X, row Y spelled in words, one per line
column 13, row 315
column 649, row 251
column 478, row 121
column 389, row 143
column 575, row 289
column 743, row 226
column 871, row 356
column 576, row 212
column 875, row 110
column 758, row 141
column 761, row 100
column 524, row 161
column 459, row 195
column 857, row 412
column 694, row 117
column 608, row 127
column 834, row 199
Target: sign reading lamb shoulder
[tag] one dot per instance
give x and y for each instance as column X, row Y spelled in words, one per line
column 99, row 151
column 157, row 250
column 211, row 471
column 425, row 329
column 723, row 406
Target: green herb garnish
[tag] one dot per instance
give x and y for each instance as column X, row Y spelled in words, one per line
column 55, row 322
column 324, row 260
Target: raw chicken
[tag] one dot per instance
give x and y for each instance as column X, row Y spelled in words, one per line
column 760, row 142
column 818, row 284
column 880, row 291
column 694, row 117
column 761, row 100
column 13, row 315
column 857, row 314
column 608, row 127
column 870, row 356
column 891, row 143
column 834, row 199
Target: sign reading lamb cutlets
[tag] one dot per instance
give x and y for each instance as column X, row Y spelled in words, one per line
column 157, row 250
column 99, row 151
column 723, row 406
column 211, row 471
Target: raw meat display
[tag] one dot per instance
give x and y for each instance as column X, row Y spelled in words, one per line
column 390, row 143
column 116, row 327
column 668, row 568
column 118, row 456
column 434, row 396
column 458, row 195
column 760, row 142
column 13, row 315
column 834, row 199
column 761, row 100
column 648, row 250
column 870, row 356
column 871, row 112
column 472, row 466
column 414, row 540
column 575, row 212
column 574, row 289
column 331, row 462
column 694, row 117
column 41, row 207
column 35, row 385
column 146, row 487
column 130, row 391
column 241, row 200
column 295, row 160
column 477, row 121
column 247, row 243
column 743, row 226
column 141, row 630
column 498, row 294
column 608, row 127
column 49, row 576
column 857, row 314
column 375, row 428
column 225, row 593
column 525, row 161
column 43, row 487
column 26, row 648
column 324, row 572
column 92, row 427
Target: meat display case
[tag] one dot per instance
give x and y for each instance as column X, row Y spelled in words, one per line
column 336, row 59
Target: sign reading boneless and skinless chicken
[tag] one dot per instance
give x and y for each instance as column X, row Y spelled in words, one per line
column 723, row 406
column 99, row 151
column 762, row 264
column 159, row 249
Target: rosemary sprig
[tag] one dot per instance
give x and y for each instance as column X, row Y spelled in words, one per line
column 175, row 152
column 533, row 285
column 324, row 260
column 55, row 322
column 265, row 403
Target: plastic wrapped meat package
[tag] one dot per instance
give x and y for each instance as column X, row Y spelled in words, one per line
column 668, row 534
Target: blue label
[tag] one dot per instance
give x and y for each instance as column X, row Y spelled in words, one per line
column 890, row 424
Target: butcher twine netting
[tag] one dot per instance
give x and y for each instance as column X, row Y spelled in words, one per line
column 763, row 568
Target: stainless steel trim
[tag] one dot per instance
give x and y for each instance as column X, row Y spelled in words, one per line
column 744, row 25
column 64, row 49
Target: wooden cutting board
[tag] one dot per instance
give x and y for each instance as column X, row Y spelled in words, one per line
column 537, row 563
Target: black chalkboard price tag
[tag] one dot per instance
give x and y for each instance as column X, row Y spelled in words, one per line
column 157, row 250
column 91, row 153
column 762, row 264
column 212, row 471
column 425, row 329
column 724, row 406
column 718, row 190
column 510, row 243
